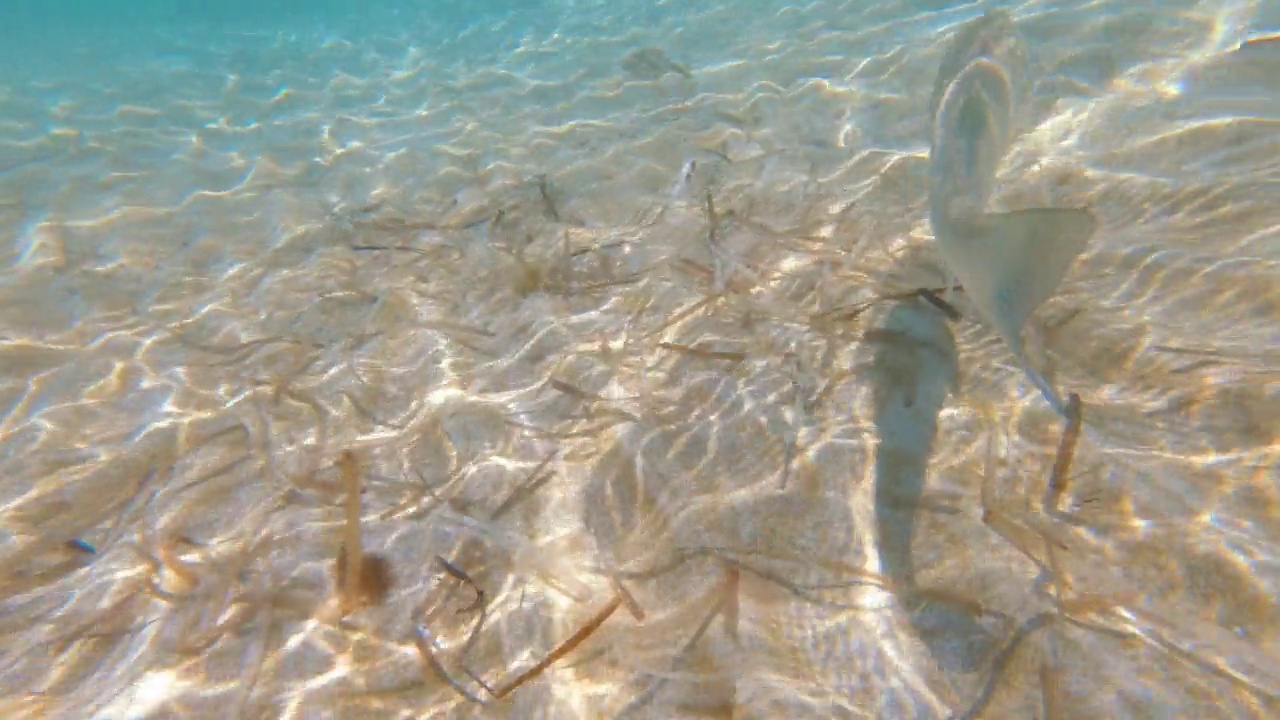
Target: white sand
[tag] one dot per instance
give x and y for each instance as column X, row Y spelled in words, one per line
column 195, row 322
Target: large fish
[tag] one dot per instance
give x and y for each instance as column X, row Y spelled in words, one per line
column 1009, row 263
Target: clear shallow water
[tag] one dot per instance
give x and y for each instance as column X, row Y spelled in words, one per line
column 236, row 245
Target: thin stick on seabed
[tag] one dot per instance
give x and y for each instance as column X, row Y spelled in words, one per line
column 458, row 574
column 933, row 298
column 351, row 545
column 1066, row 453
column 556, row 653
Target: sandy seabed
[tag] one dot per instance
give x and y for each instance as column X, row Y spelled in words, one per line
column 481, row 278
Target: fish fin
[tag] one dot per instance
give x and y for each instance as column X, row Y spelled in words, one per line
column 1025, row 254
column 1051, row 395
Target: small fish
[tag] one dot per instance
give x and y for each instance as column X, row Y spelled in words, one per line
column 684, row 182
column 1009, row 263
column 651, row 63
column 82, row 546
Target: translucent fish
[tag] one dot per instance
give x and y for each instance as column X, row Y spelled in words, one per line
column 993, row 37
column 683, row 186
column 1009, row 263
column 651, row 63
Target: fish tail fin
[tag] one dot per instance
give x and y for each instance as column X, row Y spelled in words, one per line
column 1023, row 257
column 1051, row 395
column 1019, row 258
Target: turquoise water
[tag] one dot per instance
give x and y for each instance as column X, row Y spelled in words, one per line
column 471, row 243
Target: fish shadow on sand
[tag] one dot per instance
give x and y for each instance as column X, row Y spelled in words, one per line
column 913, row 369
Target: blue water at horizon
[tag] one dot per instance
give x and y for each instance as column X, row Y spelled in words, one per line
column 34, row 13
column 63, row 36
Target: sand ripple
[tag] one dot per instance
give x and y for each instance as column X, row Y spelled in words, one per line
column 480, row 256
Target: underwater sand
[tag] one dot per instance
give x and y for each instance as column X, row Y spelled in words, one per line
column 476, row 262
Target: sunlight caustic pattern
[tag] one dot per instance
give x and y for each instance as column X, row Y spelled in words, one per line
column 557, row 370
